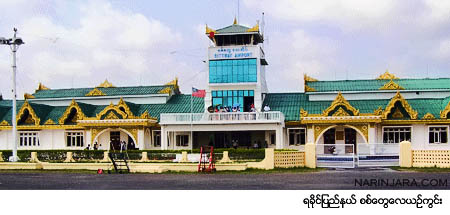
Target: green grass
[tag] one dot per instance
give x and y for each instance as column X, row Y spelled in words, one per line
column 421, row 169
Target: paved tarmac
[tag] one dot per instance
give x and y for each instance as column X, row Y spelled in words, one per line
column 322, row 180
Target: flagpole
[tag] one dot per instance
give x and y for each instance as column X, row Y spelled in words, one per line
column 192, row 136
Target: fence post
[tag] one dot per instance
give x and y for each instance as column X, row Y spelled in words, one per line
column 405, row 155
column 225, row 158
column 106, row 157
column 34, row 158
column 310, row 155
column 144, row 157
column 269, row 158
column 184, row 157
column 1, row 157
column 69, row 157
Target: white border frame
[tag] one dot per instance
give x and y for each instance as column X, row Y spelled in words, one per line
column 38, row 135
column 428, row 135
column 152, row 144
column 75, row 147
column 297, row 128
column 406, row 126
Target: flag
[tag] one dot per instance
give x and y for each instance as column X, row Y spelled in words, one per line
column 198, row 93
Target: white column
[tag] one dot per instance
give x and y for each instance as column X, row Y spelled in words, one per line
column 140, row 139
column 372, row 134
column 310, row 135
column 279, row 138
column 163, row 138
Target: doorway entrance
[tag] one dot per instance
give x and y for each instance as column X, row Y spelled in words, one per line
column 329, row 139
column 248, row 101
column 350, row 140
column 114, row 139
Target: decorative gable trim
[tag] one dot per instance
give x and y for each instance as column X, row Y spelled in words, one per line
column 399, row 98
column 26, row 106
column 111, row 107
column 95, row 92
column 73, row 104
column 391, row 85
column 340, row 101
column 445, row 112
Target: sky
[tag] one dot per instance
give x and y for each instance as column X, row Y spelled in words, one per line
column 80, row 43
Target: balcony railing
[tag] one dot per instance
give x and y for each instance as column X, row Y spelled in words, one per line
column 222, row 118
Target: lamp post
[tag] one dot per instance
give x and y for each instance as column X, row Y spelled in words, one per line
column 14, row 44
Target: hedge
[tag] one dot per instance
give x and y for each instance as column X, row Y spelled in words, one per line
column 87, row 155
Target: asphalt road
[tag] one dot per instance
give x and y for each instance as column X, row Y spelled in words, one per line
column 327, row 179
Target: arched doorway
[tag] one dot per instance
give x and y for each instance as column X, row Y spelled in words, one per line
column 342, row 138
column 110, row 138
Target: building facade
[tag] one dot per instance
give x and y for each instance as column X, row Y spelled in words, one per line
column 384, row 110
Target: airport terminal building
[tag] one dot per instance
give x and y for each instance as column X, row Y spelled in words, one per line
column 383, row 110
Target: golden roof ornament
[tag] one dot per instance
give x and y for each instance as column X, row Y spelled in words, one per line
column 309, row 89
column 106, row 84
column 95, row 92
column 306, row 78
column 50, row 122
column 209, row 30
column 387, row 76
column 4, row 123
column 428, row 116
column 391, row 85
column 28, row 96
column 235, row 22
column 41, row 87
column 254, row 28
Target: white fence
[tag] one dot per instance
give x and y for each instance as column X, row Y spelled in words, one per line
column 335, row 155
column 377, row 154
column 219, row 118
column 365, row 155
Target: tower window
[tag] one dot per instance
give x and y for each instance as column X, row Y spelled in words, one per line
column 232, row 71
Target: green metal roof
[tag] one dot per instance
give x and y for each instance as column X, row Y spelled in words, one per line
column 372, row 85
column 235, row 28
column 177, row 104
column 111, row 91
column 288, row 103
column 291, row 103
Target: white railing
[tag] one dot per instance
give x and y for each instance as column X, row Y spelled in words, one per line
column 217, row 118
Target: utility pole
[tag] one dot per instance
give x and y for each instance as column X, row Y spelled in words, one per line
column 14, row 44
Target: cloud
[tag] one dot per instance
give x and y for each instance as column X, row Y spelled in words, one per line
column 127, row 48
column 349, row 13
column 295, row 54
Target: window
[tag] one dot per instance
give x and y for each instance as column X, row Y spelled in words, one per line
column 29, row 138
column 182, row 140
column 228, row 98
column 232, row 71
column 396, row 134
column 297, row 136
column 75, row 139
column 437, row 135
column 156, row 138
